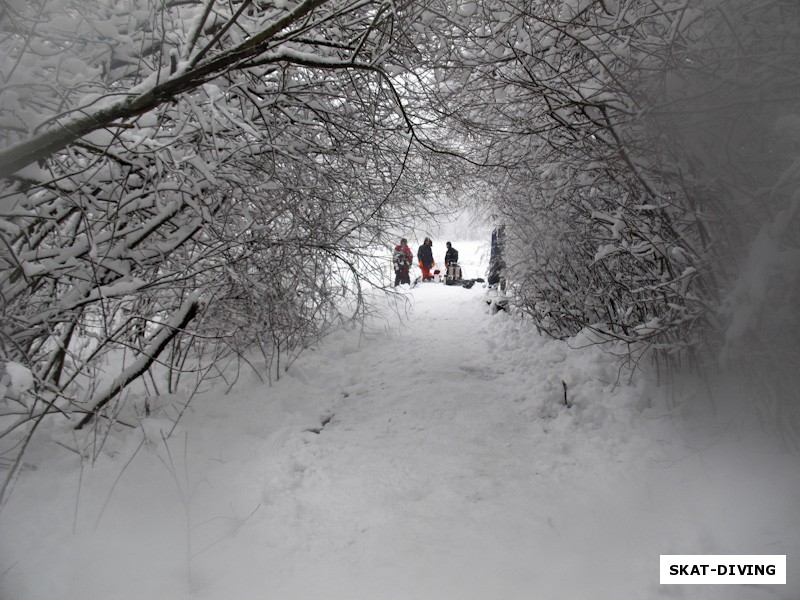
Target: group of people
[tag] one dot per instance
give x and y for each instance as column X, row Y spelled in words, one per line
column 403, row 258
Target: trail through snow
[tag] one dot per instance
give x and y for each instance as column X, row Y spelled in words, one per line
column 428, row 460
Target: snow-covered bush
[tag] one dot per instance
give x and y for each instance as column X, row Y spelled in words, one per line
column 645, row 165
column 184, row 182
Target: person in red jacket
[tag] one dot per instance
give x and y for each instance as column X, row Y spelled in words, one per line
column 402, row 257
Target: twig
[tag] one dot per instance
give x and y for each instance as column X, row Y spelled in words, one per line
column 116, row 481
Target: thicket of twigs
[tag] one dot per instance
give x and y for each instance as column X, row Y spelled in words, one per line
column 184, row 183
column 650, row 180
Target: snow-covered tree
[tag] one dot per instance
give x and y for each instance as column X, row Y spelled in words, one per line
column 184, row 181
column 644, row 162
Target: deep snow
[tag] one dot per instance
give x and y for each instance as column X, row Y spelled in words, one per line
column 428, row 459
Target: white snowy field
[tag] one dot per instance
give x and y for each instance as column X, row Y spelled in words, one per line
column 432, row 459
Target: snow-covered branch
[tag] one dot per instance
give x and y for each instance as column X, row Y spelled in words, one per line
column 152, row 350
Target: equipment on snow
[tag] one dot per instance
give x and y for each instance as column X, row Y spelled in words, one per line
column 453, row 276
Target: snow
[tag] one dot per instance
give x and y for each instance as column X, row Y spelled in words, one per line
column 429, row 459
column 604, row 251
column 467, row 9
column 651, row 326
column 20, row 378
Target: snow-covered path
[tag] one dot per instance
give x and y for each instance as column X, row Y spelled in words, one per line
column 442, row 473
column 430, row 460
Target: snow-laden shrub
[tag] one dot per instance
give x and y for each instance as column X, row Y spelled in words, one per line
column 646, row 171
column 183, row 183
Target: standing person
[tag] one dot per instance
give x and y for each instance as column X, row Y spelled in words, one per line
column 496, row 263
column 451, row 256
column 402, row 257
column 425, row 256
column 452, row 269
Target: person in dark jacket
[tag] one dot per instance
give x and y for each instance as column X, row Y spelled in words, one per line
column 452, row 269
column 497, row 264
column 451, row 256
column 425, row 256
column 402, row 258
